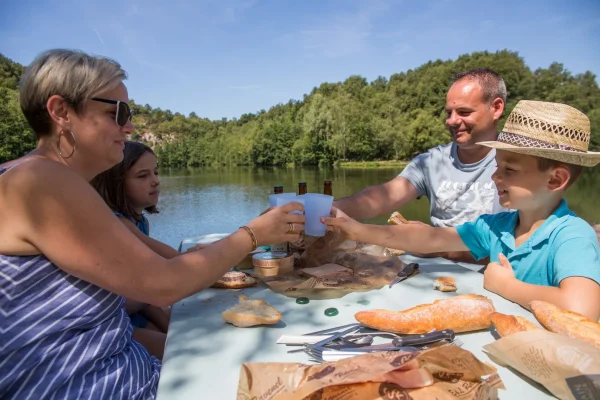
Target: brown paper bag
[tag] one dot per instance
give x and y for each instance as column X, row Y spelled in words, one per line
column 569, row 368
column 457, row 375
column 373, row 267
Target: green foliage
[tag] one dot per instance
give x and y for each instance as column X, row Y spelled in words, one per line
column 349, row 121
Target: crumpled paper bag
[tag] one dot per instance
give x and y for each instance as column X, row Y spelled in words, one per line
column 457, row 375
column 373, row 267
column 567, row 367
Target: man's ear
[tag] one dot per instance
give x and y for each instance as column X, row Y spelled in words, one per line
column 498, row 108
column 559, row 178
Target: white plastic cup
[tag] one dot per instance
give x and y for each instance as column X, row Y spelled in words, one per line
column 316, row 206
column 278, row 200
column 275, row 200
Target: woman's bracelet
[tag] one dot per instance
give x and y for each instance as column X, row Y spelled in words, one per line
column 252, row 235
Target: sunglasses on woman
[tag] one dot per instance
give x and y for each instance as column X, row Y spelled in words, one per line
column 123, row 114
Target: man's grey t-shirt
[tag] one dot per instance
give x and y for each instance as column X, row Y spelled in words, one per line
column 457, row 192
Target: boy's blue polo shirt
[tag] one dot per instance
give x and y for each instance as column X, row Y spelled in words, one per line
column 563, row 246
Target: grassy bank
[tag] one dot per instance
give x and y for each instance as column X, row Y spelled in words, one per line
column 372, row 164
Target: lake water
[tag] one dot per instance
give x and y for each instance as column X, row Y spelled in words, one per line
column 210, row 200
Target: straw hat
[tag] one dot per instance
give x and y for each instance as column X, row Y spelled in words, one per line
column 548, row 130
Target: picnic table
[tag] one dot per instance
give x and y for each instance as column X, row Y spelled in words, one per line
column 203, row 355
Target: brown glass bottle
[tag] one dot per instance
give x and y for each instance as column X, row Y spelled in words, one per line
column 327, row 188
column 302, row 188
column 278, row 189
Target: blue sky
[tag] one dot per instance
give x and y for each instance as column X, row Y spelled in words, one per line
column 223, row 58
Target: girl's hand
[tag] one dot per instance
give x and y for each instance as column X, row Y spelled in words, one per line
column 342, row 223
column 274, row 225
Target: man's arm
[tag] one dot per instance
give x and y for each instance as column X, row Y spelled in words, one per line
column 578, row 294
column 378, row 200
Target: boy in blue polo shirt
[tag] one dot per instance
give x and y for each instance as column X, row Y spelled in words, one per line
column 541, row 251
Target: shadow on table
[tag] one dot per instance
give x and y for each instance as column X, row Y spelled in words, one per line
column 197, row 329
column 193, row 324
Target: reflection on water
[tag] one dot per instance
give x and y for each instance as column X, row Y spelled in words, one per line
column 208, row 200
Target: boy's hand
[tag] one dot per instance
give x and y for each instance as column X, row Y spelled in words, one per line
column 497, row 276
column 340, row 222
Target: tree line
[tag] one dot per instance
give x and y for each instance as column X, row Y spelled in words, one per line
column 355, row 120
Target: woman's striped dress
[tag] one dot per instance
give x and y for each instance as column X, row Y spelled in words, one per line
column 65, row 338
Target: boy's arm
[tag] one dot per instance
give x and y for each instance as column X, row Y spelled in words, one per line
column 575, row 293
column 409, row 237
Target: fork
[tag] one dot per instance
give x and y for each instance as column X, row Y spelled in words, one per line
column 334, row 355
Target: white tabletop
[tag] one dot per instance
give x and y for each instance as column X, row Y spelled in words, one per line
column 203, row 355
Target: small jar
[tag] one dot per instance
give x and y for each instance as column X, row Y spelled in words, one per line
column 272, row 263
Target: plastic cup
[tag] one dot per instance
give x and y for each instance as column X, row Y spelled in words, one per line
column 273, row 198
column 316, row 206
column 278, row 200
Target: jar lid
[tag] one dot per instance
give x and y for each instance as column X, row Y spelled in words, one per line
column 272, row 259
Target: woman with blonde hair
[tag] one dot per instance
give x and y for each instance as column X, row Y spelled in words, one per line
column 67, row 262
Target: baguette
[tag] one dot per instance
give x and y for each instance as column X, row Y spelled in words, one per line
column 462, row 313
column 445, row 284
column 509, row 324
column 250, row 312
column 566, row 323
column 397, row 219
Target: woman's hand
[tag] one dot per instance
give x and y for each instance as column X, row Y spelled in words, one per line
column 274, row 226
column 342, row 223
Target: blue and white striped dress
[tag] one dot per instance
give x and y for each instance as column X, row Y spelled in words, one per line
column 65, row 338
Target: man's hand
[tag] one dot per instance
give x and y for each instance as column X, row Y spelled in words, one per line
column 498, row 276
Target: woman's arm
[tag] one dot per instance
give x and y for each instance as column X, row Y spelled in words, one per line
column 53, row 211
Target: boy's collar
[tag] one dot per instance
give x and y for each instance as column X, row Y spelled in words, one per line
column 542, row 233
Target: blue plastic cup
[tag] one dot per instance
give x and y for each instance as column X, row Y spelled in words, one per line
column 277, row 200
column 316, row 206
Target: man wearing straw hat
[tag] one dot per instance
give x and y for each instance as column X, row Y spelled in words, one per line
column 456, row 177
column 541, row 251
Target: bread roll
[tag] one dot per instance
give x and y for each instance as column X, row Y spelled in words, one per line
column 397, row 219
column 234, row 280
column 566, row 323
column 445, row 284
column 509, row 324
column 250, row 312
column 462, row 313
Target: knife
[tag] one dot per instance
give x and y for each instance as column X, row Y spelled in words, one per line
column 402, row 275
column 400, row 343
column 426, row 338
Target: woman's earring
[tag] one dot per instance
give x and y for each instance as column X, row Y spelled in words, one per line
column 74, row 144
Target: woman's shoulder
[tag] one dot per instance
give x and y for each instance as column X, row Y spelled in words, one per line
column 35, row 168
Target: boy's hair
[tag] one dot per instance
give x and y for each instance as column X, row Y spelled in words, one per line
column 71, row 74
column 544, row 164
column 492, row 84
column 110, row 184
